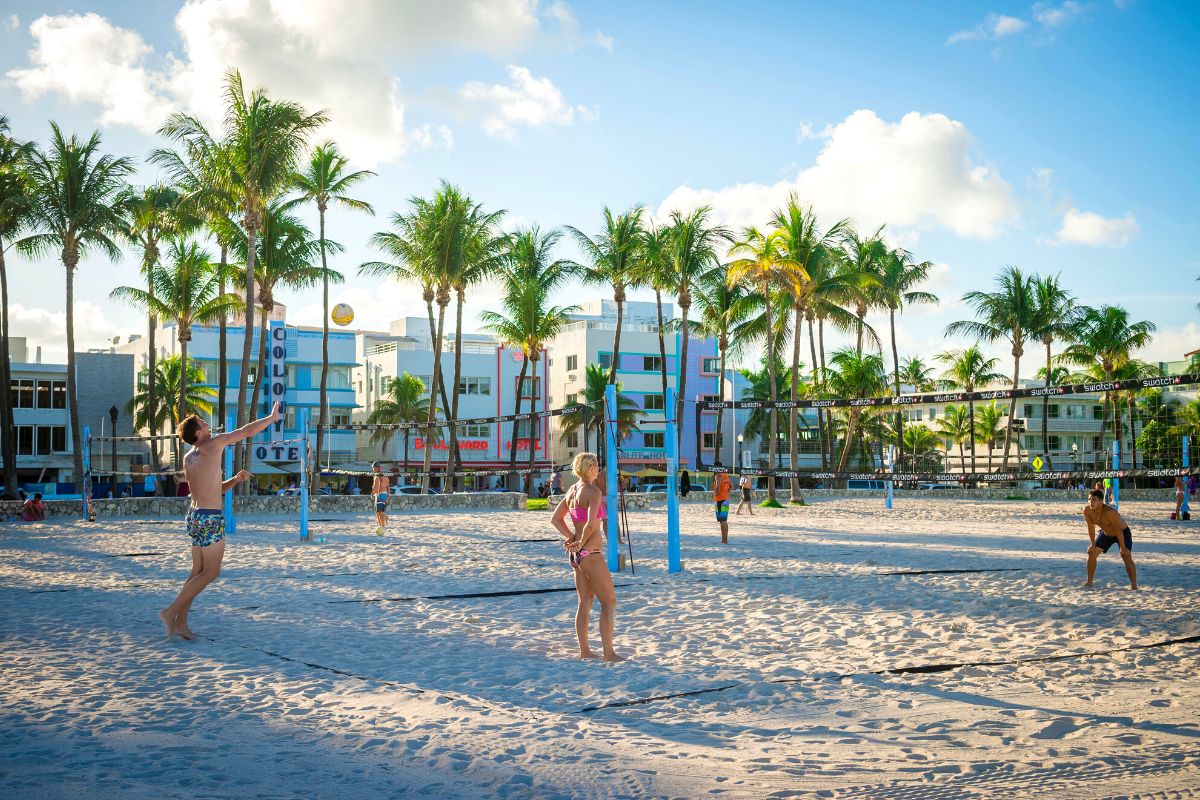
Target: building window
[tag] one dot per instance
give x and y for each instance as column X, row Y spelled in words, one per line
column 529, row 389
column 1097, row 445
column 1054, row 441
column 477, row 431
column 1076, row 411
column 652, row 363
column 289, row 419
column 1097, row 412
column 604, row 360
column 572, row 363
column 22, row 393
column 475, row 386
column 710, row 398
column 710, row 365
column 522, row 428
column 211, row 370
column 708, row 441
column 573, row 439
column 51, row 439
column 933, row 413
column 1052, row 412
column 653, row 440
column 338, row 378
column 339, row 417
column 25, row 440
column 653, row 402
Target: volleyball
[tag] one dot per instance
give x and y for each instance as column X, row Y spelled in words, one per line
column 342, row 314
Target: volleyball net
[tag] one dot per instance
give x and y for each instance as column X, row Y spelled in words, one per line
column 1145, row 431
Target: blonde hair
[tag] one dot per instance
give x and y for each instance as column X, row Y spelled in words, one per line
column 582, row 463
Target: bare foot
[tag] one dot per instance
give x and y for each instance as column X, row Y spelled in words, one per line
column 1087, row 585
column 168, row 624
column 613, row 657
column 1133, row 588
column 186, row 633
column 587, row 654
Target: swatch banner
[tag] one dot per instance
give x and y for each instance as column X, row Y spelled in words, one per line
column 444, row 473
column 955, row 397
column 957, row 477
column 441, row 423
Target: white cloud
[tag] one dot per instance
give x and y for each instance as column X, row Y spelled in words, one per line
column 12, row 22
column 1052, row 16
column 1041, row 179
column 805, row 132
column 87, row 59
column 1091, row 229
column 48, row 329
column 994, row 26
column 324, row 55
column 526, row 101
column 1171, row 343
column 601, row 40
column 915, row 172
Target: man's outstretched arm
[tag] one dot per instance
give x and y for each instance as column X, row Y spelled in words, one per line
column 244, row 475
column 250, row 428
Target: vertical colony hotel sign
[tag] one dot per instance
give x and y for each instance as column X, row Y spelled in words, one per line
column 275, row 391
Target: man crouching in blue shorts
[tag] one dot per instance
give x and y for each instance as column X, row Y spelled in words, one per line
column 1099, row 514
column 205, row 520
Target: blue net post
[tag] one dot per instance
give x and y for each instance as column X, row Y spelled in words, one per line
column 1185, row 508
column 227, row 501
column 304, row 475
column 612, row 474
column 1116, row 482
column 887, row 503
column 85, row 480
column 672, row 443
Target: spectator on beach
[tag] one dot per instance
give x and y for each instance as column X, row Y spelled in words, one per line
column 721, row 488
column 34, row 509
column 1180, row 493
column 168, row 486
column 556, row 483
column 685, row 483
column 747, row 487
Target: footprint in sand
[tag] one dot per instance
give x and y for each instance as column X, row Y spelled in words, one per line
column 1058, row 729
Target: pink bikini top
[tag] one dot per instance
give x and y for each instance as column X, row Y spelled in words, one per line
column 580, row 513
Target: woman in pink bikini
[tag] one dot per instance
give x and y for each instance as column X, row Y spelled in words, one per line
column 585, row 505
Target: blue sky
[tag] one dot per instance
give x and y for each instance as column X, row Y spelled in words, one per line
column 1056, row 136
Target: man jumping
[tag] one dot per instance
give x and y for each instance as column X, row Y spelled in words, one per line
column 205, row 521
column 1098, row 514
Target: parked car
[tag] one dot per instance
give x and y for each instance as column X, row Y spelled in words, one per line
column 654, row 487
column 936, row 487
column 406, row 489
column 864, row 485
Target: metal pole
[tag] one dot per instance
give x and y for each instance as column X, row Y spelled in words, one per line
column 85, row 493
column 1185, row 508
column 891, row 469
column 673, row 559
column 1116, row 482
column 112, row 490
column 227, row 499
column 304, row 475
column 609, row 422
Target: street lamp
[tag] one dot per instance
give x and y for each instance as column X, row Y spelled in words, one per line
column 112, row 415
column 740, row 460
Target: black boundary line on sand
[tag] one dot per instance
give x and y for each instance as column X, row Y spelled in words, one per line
column 917, row 669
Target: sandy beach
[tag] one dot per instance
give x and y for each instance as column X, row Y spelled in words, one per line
column 943, row 649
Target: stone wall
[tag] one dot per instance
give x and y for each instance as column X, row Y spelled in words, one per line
column 177, row 506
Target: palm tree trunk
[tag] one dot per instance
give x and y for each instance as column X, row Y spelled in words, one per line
column 437, row 377
column 323, row 413
column 896, row 367
column 774, row 419
column 971, row 414
column 662, row 346
column 440, row 385
column 723, row 343
column 533, row 439
column 824, row 377
column 184, row 335
column 222, row 343
column 812, row 349
column 1012, row 408
column 793, row 436
column 406, row 432
column 152, row 394
column 247, row 334
column 455, row 453
column 8, row 444
column 259, row 378
column 681, row 369
column 619, row 299
column 512, row 438
column 69, row 261
column 1045, row 413
column 851, row 429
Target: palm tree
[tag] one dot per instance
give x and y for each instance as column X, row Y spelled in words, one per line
column 169, row 385
column 956, row 425
column 724, row 309
column 1055, row 320
column 613, row 257
column 967, row 370
column 653, row 270
column 153, row 214
column 74, row 211
column 757, row 386
column 863, row 267
column 757, row 259
column 921, row 443
column 692, row 251
column 1010, row 313
column 898, row 274
column 325, row 180
column 188, row 292
column 806, row 247
column 202, row 176
column 16, row 192
column 1105, row 339
column 262, row 140
column 914, row 373
column 987, row 429
column 855, row 375
column 588, row 416
column 404, row 401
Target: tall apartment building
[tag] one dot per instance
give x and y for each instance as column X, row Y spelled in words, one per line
column 489, row 384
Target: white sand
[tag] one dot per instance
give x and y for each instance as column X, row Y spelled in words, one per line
column 293, row 694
